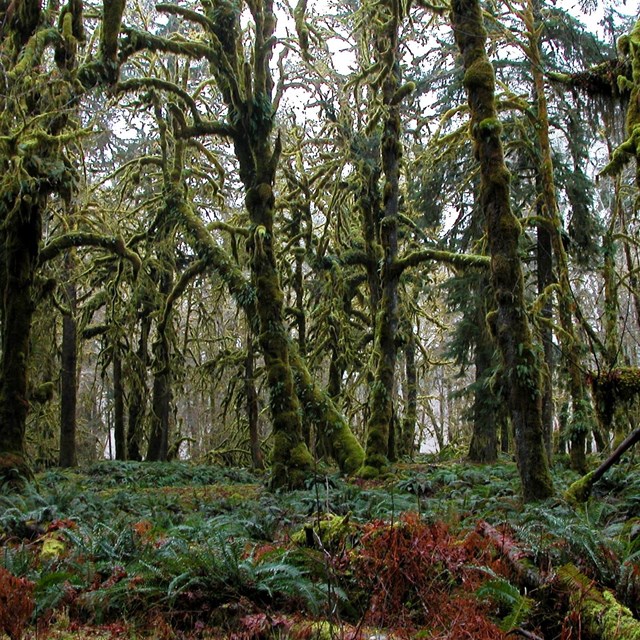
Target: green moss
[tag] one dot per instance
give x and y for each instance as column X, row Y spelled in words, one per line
column 580, row 490
column 489, row 126
column 479, row 74
column 368, row 472
column 333, row 532
column 600, row 614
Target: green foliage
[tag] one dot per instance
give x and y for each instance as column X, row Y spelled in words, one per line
column 186, row 551
column 514, row 607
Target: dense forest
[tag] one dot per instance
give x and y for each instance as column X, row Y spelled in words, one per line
column 335, row 253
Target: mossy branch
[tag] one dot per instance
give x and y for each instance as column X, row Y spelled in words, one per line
column 229, row 228
column 207, row 128
column 192, row 271
column 136, row 84
column 34, row 50
column 111, row 21
column 136, row 40
column 462, row 260
column 115, row 244
column 187, row 14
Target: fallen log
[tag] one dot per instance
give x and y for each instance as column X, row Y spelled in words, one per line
column 580, row 490
column 526, row 575
column 601, row 616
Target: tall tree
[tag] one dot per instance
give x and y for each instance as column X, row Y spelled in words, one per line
column 509, row 321
column 37, row 103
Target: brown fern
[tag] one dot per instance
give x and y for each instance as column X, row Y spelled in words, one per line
column 16, row 604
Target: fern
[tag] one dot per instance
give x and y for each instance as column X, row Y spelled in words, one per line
column 515, row 607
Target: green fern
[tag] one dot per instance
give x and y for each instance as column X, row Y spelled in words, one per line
column 515, row 607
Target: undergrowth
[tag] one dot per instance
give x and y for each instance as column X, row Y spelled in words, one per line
column 178, row 550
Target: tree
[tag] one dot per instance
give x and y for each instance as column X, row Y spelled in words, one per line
column 509, row 321
column 36, row 124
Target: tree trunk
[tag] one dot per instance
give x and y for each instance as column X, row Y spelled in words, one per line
column 162, row 377
column 544, row 266
column 252, row 112
column 20, row 237
column 316, row 403
column 257, row 459
column 381, row 416
column 291, row 460
column 68, row 378
column 342, row 445
column 483, row 448
column 118, row 406
column 138, row 392
column 581, row 423
column 509, row 321
column 410, row 418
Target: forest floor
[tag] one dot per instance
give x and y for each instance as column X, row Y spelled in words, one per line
column 441, row 549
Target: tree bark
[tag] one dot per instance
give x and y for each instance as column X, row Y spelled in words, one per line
column 20, row 236
column 257, row 459
column 410, row 418
column 581, row 422
column 138, row 393
column 68, row 381
column 483, row 447
column 158, row 448
column 118, row 406
column 385, row 312
column 509, row 322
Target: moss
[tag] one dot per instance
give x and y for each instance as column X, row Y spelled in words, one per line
column 332, row 531
column 580, row 490
column 14, row 471
column 479, row 74
column 405, row 90
column 600, row 614
column 489, row 126
column 368, row 472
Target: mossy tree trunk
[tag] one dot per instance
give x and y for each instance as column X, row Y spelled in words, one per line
column 20, row 235
column 251, row 395
column 486, row 410
column 410, row 418
column 247, row 88
column 162, row 392
column 581, row 423
column 138, row 391
column 483, row 447
column 386, row 19
column 509, row 321
column 544, row 273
